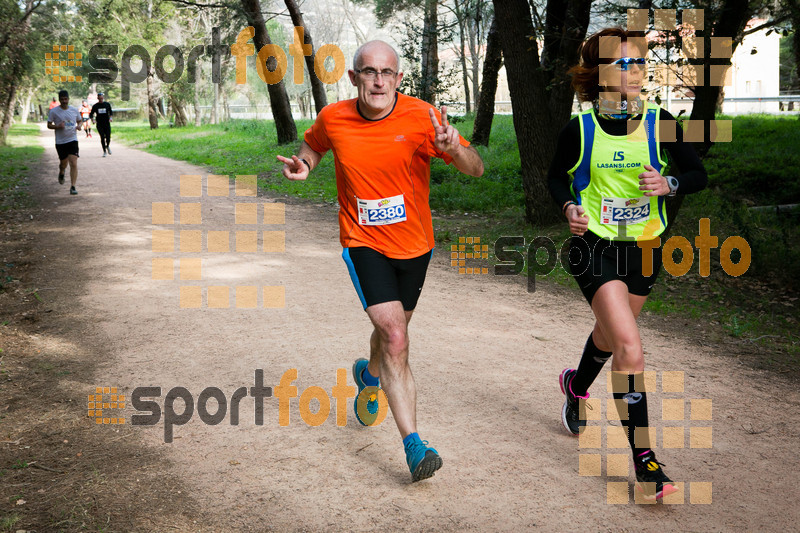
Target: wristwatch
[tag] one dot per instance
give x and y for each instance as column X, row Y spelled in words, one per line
column 672, row 181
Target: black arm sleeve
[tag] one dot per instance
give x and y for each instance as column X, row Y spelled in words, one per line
column 567, row 154
column 693, row 176
column 93, row 111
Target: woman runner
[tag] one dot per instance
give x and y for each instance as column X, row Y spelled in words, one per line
column 609, row 177
column 87, row 125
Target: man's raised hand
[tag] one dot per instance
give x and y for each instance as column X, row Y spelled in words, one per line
column 447, row 138
column 294, row 168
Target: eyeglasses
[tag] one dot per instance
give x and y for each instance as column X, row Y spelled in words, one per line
column 626, row 63
column 371, row 73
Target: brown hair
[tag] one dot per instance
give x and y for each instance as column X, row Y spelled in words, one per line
column 585, row 73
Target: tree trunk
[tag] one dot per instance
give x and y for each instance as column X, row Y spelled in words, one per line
column 474, row 51
column 361, row 37
column 430, row 53
column 317, row 87
column 214, row 103
column 794, row 6
column 196, row 103
column 462, row 28
column 26, row 105
column 541, row 96
column 8, row 114
column 15, row 52
column 467, row 96
column 10, row 98
column 152, row 101
column 278, row 99
column 731, row 19
column 180, row 113
column 484, row 111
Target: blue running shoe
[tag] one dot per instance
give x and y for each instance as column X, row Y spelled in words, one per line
column 372, row 399
column 423, row 462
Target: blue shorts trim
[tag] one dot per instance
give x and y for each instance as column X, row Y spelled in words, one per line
column 351, row 269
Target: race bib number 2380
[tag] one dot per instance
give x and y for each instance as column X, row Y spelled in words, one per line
column 381, row 212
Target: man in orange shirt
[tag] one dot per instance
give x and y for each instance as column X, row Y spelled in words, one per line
column 382, row 144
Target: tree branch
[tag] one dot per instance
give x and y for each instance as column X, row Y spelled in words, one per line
column 768, row 24
column 7, row 34
column 224, row 6
column 196, row 4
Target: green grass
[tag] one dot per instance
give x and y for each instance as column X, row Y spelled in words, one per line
column 250, row 147
column 758, row 167
column 240, row 147
column 760, row 163
column 21, row 150
column 8, row 522
column 755, row 167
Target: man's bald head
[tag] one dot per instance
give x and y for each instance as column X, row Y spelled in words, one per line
column 371, row 47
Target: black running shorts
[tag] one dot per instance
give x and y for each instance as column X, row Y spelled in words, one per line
column 594, row 261
column 67, row 149
column 379, row 279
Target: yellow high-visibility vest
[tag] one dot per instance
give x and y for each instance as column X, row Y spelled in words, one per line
column 605, row 180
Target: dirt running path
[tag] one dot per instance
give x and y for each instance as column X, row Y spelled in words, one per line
column 486, row 356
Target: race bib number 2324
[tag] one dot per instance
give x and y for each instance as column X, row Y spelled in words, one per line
column 624, row 210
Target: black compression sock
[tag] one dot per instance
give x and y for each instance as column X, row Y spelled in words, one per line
column 636, row 403
column 591, row 364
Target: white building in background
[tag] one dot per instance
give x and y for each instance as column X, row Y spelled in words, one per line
column 755, row 72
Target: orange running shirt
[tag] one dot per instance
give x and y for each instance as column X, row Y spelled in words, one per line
column 378, row 160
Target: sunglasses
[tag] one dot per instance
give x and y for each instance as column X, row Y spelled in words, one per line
column 625, row 63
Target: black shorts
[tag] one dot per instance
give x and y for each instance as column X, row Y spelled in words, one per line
column 379, row 279
column 67, row 149
column 594, row 261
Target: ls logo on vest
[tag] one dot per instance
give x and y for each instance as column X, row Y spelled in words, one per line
column 619, row 156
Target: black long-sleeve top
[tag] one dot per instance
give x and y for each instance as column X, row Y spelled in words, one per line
column 692, row 177
column 102, row 112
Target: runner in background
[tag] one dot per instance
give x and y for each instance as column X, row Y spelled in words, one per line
column 87, row 125
column 66, row 121
column 103, row 115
